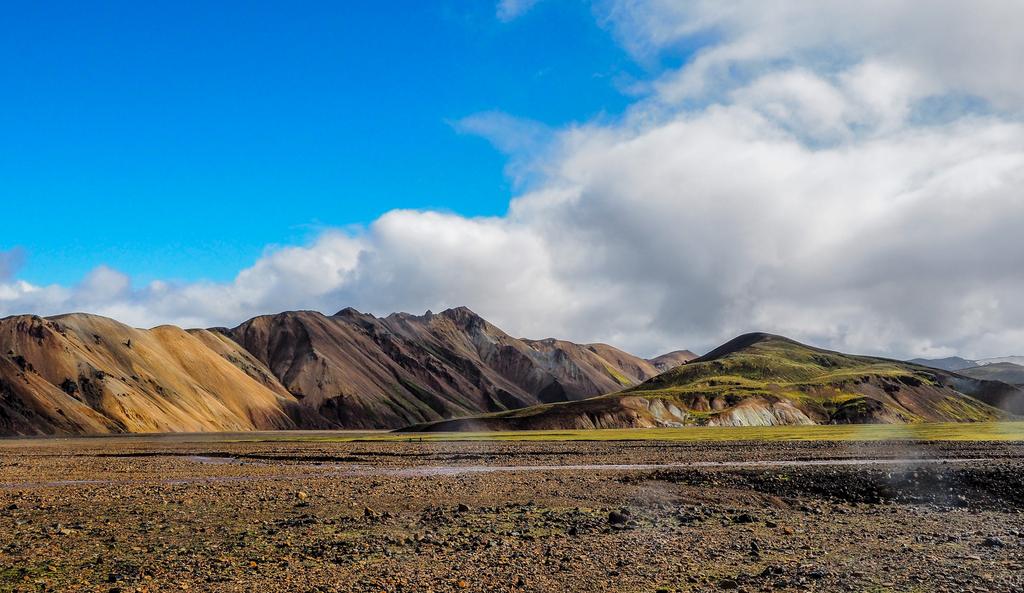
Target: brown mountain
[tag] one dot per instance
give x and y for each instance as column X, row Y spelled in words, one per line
column 359, row 371
column 667, row 362
column 75, row 374
column 761, row 379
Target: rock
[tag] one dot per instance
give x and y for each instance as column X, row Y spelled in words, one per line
column 301, row 495
column 744, row 518
column 618, row 518
column 816, row 574
column 728, row 584
column 369, row 513
column 993, row 542
column 462, row 508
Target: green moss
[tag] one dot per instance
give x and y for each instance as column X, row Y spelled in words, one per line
column 15, row 578
column 962, row 408
column 944, row 431
column 619, row 377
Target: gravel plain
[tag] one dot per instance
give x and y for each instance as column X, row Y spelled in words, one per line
column 174, row 514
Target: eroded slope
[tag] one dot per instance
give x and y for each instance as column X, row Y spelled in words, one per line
column 82, row 374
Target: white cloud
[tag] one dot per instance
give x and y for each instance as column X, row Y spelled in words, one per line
column 525, row 142
column 844, row 174
column 970, row 46
column 10, row 262
column 509, row 10
column 510, row 135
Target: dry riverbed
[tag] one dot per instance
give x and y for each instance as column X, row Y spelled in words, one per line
column 167, row 514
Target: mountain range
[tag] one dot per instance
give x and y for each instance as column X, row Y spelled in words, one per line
column 1008, row 369
column 85, row 374
column 763, row 379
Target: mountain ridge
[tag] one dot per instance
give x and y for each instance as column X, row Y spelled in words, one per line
column 79, row 373
column 764, row 379
column 950, row 363
column 1007, row 372
column 1008, row 369
column 408, row 368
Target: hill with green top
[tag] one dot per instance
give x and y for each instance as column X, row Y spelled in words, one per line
column 761, row 379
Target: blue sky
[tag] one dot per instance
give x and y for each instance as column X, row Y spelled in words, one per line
column 178, row 140
column 796, row 167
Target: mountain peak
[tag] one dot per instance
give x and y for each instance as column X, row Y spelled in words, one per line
column 671, row 360
column 462, row 316
column 743, row 342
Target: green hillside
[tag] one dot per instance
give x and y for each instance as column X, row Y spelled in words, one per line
column 844, row 387
column 762, row 379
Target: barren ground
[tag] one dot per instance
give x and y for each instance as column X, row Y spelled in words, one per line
column 208, row 514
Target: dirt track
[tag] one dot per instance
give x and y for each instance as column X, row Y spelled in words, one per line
column 166, row 515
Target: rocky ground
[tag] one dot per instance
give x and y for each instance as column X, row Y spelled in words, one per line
column 136, row 514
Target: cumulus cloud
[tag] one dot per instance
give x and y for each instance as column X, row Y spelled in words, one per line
column 846, row 175
column 284, row 278
column 971, row 46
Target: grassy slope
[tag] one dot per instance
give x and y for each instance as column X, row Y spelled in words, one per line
column 764, row 370
column 772, row 366
column 774, row 361
column 775, row 367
